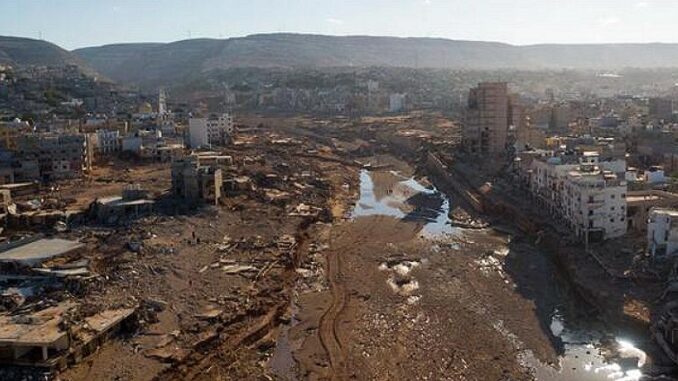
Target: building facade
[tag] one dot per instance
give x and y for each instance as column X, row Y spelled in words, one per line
column 206, row 132
column 488, row 116
column 662, row 231
column 196, row 183
column 57, row 156
column 107, row 142
column 585, row 197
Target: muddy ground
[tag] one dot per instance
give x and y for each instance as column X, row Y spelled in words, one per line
column 377, row 288
column 403, row 305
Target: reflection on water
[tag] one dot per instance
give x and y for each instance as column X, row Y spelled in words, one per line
column 391, row 194
column 586, row 357
column 587, row 345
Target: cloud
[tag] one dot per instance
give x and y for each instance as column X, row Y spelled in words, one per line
column 334, row 21
column 642, row 4
column 609, row 21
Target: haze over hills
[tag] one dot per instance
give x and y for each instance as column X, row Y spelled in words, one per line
column 152, row 64
column 158, row 63
column 27, row 51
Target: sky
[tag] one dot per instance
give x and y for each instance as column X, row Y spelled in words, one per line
column 80, row 23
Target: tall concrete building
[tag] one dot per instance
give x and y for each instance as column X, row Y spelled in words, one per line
column 661, row 108
column 213, row 130
column 488, row 117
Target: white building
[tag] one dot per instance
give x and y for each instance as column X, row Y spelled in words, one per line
column 655, row 175
column 586, row 197
column 662, row 231
column 205, row 132
column 107, row 141
column 396, row 102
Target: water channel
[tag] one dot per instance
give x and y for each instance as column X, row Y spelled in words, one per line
column 581, row 339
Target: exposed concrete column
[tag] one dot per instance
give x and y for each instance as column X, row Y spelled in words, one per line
column 44, row 353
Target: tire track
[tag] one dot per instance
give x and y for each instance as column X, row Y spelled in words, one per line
column 329, row 338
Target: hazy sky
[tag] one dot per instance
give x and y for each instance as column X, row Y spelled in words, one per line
column 78, row 23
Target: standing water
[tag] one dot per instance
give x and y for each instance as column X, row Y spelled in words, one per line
column 586, row 344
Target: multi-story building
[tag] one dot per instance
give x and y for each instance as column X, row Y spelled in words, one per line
column 396, row 102
column 57, row 156
column 213, row 130
column 585, row 196
column 194, row 182
column 488, row 117
column 662, row 231
column 661, row 108
column 107, row 142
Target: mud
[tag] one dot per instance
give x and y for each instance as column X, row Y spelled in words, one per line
column 415, row 298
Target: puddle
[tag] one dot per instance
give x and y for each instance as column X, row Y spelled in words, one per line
column 590, row 355
column 282, row 362
column 589, row 349
column 388, row 193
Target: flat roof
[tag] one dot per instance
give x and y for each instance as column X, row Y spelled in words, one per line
column 650, row 197
column 118, row 201
column 16, row 185
column 42, row 327
column 665, row 211
column 37, row 251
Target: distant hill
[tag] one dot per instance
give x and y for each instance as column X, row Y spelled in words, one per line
column 27, row 51
column 152, row 63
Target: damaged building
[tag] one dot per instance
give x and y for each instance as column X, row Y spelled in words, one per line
column 133, row 203
column 195, row 182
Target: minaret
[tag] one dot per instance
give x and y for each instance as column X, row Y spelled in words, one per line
column 162, row 102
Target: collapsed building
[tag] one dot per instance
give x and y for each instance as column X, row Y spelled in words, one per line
column 133, row 203
column 36, row 330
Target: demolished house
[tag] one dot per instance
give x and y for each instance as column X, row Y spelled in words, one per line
column 46, row 339
column 134, row 202
column 37, row 330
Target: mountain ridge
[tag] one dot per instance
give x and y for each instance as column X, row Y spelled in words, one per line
column 150, row 64
column 156, row 63
column 28, row 51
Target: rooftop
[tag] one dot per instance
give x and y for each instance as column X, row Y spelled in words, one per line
column 32, row 251
column 665, row 211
